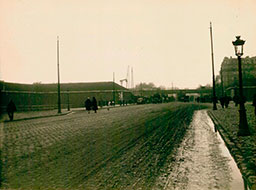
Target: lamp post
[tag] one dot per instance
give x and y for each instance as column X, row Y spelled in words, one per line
column 243, row 125
column 214, row 99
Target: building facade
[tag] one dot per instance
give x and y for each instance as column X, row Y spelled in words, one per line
column 230, row 80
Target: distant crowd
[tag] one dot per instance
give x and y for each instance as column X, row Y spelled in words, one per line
column 93, row 105
column 225, row 100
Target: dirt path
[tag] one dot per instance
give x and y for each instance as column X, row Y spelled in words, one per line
column 200, row 163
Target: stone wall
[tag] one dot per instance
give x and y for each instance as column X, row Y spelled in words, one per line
column 27, row 101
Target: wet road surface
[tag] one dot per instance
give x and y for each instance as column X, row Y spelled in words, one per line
column 202, row 161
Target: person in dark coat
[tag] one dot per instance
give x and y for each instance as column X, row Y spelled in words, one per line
column 11, row 108
column 94, row 104
column 88, row 104
column 254, row 103
column 236, row 100
column 222, row 101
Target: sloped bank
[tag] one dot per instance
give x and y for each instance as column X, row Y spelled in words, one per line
column 243, row 149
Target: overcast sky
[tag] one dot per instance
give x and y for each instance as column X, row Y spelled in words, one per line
column 165, row 41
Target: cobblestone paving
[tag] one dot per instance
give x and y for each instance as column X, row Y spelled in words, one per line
column 123, row 148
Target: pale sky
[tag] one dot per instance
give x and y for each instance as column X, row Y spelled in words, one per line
column 165, row 41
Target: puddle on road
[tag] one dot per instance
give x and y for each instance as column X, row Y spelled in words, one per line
column 237, row 182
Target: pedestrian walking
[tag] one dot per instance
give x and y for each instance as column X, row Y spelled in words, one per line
column 254, row 103
column 236, row 100
column 94, row 105
column 11, row 108
column 222, row 101
column 88, row 104
column 109, row 104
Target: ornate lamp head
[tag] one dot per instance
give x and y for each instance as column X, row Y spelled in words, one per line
column 238, row 44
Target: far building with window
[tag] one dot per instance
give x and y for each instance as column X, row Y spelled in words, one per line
column 229, row 76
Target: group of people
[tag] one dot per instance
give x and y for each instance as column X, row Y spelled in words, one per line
column 224, row 101
column 91, row 105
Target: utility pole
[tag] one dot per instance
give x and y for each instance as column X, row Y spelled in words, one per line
column 132, row 82
column 213, row 76
column 114, row 88
column 59, row 103
column 128, row 77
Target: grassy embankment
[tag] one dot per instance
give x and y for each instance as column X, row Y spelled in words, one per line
column 243, row 149
column 120, row 149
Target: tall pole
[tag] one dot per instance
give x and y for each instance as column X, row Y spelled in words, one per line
column 128, row 77
column 114, row 88
column 243, row 125
column 213, row 76
column 59, row 103
column 132, row 82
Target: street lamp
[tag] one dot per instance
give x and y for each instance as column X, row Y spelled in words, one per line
column 243, row 125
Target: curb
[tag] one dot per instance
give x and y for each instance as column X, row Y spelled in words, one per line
column 235, row 151
column 37, row 117
column 61, row 114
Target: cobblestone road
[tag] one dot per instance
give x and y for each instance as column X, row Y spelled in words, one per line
column 124, row 148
